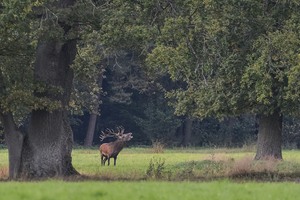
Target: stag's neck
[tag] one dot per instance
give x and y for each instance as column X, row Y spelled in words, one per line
column 119, row 145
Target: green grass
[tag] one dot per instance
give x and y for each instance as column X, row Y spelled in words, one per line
column 175, row 174
column 179, row 164
column 216, row 190
column 131, row 163
column 184, row 164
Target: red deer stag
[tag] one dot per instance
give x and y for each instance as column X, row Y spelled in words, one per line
column 112, row 149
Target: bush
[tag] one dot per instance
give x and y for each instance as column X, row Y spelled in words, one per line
column 157, row 169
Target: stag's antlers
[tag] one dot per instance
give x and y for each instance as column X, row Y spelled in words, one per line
column 120, row 130
column 111, row 133
column 108, row 133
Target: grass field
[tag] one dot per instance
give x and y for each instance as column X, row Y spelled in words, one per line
column 215, row 190
column 187, row 164
column 174, row 174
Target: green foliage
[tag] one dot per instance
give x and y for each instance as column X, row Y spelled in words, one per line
column 120, row 23
column 88, row 71
column 220, row 62
column 113, row 38
column 229, row 64
column 269, row 69
column 23, row 24
column 159, row 123
column 16, row 56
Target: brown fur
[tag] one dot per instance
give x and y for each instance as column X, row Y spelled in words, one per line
column 112, row 149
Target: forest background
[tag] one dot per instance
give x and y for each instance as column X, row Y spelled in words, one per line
column 178, row 73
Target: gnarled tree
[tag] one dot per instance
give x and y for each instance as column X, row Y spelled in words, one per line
column 235, row 57
column 39, row 89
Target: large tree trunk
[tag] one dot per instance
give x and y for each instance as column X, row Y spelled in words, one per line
column 47, row 148
column 14, row 140
column 269, row 137
column 45, row 151
column 48, row 144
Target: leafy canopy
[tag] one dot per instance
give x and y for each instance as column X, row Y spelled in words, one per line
column 233, row 56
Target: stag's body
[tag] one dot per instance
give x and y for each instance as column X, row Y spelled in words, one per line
column 112, row 149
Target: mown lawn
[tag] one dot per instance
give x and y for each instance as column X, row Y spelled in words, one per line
column 215, row 190
column 175, row 174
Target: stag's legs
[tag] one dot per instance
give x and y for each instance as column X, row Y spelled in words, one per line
column 106, row 158
column 115, row 161
column 108, row 161
column 103, row 159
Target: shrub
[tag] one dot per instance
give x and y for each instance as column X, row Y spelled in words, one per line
column 157, row 169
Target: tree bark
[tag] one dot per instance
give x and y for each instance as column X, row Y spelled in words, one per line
column 47, row 148
column 14, row 140
column 269, row 137
column 88, row 141
column 187, row 131
column 48, row 144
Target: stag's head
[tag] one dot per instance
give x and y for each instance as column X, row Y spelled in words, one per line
column 126, row 137
column 118, row 134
